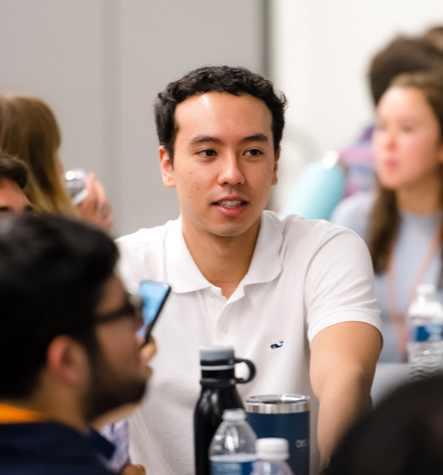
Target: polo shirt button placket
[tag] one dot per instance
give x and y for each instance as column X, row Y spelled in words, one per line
column 223, row 325
column 222, row 336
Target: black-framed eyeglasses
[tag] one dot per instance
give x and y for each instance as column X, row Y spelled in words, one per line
column 131, row 308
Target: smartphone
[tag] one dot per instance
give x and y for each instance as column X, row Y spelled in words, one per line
column 154, row 295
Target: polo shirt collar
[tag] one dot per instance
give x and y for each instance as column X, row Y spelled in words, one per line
column 184, row 275
column 266, row 262
column 13, row 414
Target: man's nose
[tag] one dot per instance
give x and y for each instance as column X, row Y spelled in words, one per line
column 231, row 172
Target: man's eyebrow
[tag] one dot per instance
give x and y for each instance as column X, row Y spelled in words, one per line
column 209, row 139
column 256, row 138
column 205, row 139
column 5, row 209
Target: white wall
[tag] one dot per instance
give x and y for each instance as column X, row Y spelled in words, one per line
column 99, row 65
column 320, row 51
column 53, row 49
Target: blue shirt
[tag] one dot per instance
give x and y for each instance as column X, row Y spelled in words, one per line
column 412, row 244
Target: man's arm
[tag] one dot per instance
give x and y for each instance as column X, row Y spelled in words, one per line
column 343, row 359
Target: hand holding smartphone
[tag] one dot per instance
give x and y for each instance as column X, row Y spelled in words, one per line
column 154, row 295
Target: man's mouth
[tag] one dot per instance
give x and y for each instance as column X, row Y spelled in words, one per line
column 230, row 203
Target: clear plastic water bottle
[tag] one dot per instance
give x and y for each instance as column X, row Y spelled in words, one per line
column 425, row 346
column 272, row 454
column 232, row 450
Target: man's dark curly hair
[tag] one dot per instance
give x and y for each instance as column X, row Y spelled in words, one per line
column 236, row 81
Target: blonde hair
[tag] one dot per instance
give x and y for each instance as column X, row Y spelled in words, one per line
column 29, row 130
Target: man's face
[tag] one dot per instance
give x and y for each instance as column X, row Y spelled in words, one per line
column 12, row 198
column 224, row 164
column 118, row 375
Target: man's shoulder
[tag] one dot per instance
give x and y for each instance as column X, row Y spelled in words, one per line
column 295, row 229
column 143, row 254
column 301, row 239
column 144, row 235
column 146, row 240
column 55, row 448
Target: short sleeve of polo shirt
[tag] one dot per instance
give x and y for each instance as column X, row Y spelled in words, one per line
column 339, row 285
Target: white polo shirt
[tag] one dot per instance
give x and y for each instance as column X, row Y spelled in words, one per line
column 304, row 276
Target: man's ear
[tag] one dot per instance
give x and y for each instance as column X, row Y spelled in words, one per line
column 275, row 171
column 166, row 166
column 67, row 361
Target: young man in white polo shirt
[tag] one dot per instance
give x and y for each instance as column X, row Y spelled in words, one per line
column 294, row 296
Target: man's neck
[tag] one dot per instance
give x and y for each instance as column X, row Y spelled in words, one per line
column 224, row 261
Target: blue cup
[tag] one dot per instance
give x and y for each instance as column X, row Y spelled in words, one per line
column 285, row 416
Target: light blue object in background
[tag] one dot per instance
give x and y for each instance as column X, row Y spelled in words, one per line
column 319, row 188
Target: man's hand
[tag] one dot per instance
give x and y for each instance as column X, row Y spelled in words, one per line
column 343, row 359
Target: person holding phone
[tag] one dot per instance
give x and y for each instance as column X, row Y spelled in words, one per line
column 149, row 297
column 13, row 179
column 294, row 296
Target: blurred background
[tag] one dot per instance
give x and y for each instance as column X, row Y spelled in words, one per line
column 100, row 63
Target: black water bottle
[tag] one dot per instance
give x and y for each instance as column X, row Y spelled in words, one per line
column 217, row 394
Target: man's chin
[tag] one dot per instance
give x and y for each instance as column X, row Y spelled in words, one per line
column 106, row 404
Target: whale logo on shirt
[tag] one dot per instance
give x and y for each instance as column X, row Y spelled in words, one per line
column 275, row 346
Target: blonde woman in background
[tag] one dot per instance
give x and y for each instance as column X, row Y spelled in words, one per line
column 29, row 130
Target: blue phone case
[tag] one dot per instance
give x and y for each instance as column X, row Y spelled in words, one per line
column 154, row 295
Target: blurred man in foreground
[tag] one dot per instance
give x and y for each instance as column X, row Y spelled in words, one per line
column 67, row 341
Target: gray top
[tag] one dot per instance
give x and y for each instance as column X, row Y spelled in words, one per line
column 414, row 239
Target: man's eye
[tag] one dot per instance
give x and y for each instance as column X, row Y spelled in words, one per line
column 254, row 152
column 207, row 153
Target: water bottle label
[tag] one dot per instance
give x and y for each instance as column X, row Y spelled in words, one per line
column 430, row 332
column 231, row 468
